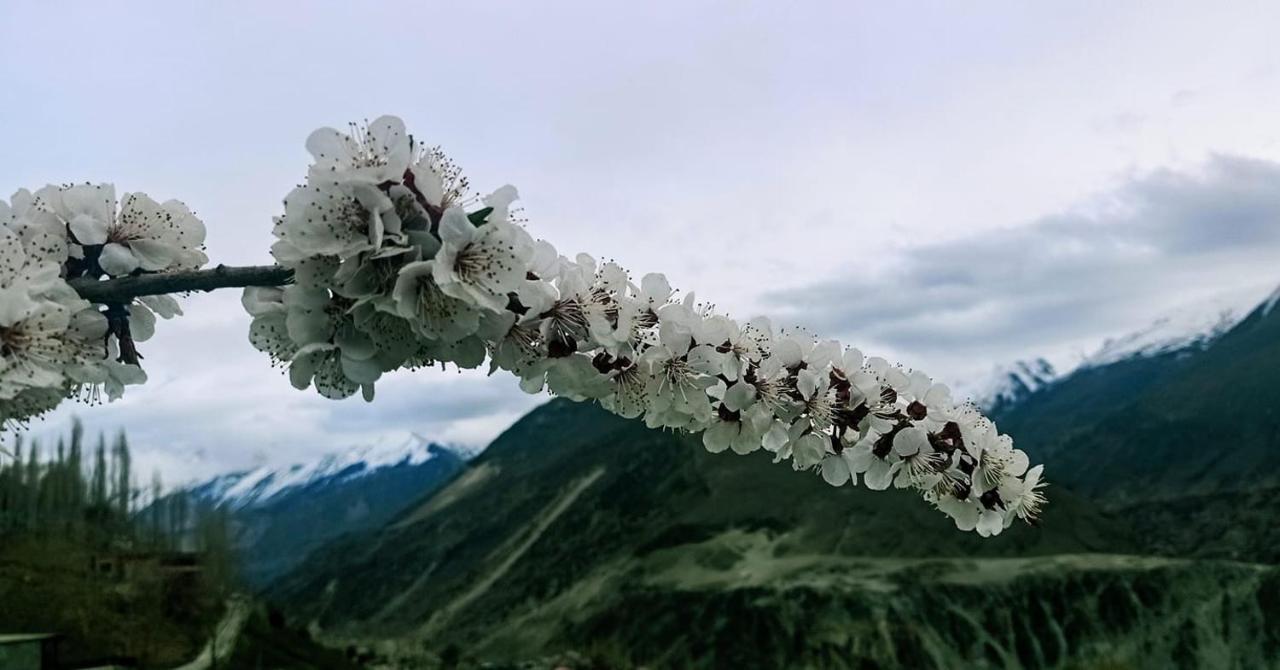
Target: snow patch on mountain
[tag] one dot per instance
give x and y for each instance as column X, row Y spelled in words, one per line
column 1191, row 326
column 259, row 486
column 1010, row 384
column 1271, row 302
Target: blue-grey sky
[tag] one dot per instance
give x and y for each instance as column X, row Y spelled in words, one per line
column 953, row 185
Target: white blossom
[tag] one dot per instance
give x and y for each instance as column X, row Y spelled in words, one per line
column 480, row 265
column 432, row 312
column 370, row 154
column 144, row 235
column 1022, row 497
column 395, row 266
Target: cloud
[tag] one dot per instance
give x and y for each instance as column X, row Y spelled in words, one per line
column 432, row 398
column 1052, row 286
column 744, row 151
column 1156, row 240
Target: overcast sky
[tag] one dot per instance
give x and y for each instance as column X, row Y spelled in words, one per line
column 956, row 185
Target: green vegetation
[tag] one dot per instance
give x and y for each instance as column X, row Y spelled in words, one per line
column 582, row 540
column 268, row 642
column 573, row 520
column 77, row 559
column 1185, row 447
column 577, row 532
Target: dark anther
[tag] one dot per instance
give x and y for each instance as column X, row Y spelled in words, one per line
column 561, row 347
column 991, row 500
column 514, row 305
column 948, row 439
column 884, row 443
column 841, row 385
column 602, row 362
column 850, row 417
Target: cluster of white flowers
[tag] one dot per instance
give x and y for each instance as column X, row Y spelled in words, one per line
column 53, row 344
column 391, row 270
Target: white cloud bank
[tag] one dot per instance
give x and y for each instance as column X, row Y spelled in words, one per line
column 745, row 149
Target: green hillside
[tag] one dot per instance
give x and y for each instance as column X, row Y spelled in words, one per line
column 1181, row 424
column 572, row 503
column 1184, row 448
column 578, row 530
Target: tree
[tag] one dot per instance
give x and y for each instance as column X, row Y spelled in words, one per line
column 179, row 528
column 14, row 497
column 155, row 508
column 98, row 491
column 124, row 486
column 75, row 468
column 33, row 486
column 38, row 495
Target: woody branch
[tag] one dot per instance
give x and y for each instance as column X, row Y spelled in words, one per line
column 125, row 289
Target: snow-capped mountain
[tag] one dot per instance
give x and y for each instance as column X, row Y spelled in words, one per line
column 1186, row 406
column 1191, row 327
column 280, row 514
column 1271, row 302
column 262, row 485
column 1010, row 384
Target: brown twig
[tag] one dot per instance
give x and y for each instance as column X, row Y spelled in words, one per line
column 125, row 289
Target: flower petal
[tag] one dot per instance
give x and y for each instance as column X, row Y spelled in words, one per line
column 117, row 260
column 718, row 437
column 456, row 229
column 835, row 470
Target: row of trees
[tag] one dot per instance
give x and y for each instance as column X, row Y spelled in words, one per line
column 75, row 491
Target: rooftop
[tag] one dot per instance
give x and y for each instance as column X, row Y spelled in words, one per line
column 18, row 638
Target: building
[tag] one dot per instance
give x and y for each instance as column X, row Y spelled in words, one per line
column 28, row 651
column 39, row 651
column 128, row 565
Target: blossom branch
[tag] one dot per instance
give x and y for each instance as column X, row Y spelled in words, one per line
column 125, row 289
column 387, row 269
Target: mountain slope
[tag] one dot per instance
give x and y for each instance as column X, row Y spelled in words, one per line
column 1091, row 611
column 580, row 530
column 1182, row 444
column 1208, row 416
column 572, row 498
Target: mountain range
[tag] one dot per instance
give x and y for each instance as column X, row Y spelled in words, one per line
column 1188, row 328
column 279, row 515
column 1208, row 412
column 578, row 530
